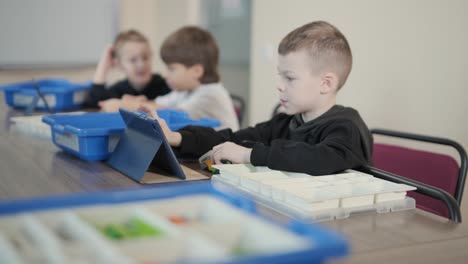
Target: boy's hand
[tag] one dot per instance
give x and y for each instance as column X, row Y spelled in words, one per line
column 150, row 105
column 105, row 63
column 134, row 98
column 174, row 138
column 232, row 152
column 110, row 105
column 132, row 102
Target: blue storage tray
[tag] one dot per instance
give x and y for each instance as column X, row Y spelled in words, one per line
column 176, row 119
column 93, row 136
column 325, row 244
column 60, row 94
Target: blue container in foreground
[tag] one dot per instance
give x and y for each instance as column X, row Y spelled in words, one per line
column 268, row 242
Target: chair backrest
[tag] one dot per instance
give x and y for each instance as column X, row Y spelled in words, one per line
column 430, row 168
column 239, row 107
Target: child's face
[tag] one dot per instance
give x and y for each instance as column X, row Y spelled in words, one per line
column 182, row 78
column 299, row 88
column 135, row 60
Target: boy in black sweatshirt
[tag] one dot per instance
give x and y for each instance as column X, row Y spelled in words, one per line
column 131, row 52
column 314, row 135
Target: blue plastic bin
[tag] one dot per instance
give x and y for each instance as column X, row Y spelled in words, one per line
column 324, row 244
column 60, row 94
column 94, row 136
column 91, row 136
column 178, row 119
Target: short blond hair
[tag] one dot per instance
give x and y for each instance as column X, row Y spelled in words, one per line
column 327, row 46
column 130, row 35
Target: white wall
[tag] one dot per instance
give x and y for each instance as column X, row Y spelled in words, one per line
column 410, row 60
column 154, row 18
column 55, row 32
column 170, row 15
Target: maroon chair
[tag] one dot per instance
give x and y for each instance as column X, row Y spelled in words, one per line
column 239, row 107
column 433, row 169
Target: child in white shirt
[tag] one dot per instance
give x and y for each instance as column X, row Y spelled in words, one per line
column 191, row 57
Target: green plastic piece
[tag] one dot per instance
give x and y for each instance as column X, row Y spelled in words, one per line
column 132, row 228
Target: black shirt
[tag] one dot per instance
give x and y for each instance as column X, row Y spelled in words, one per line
column 98, row 92
column 335, row 141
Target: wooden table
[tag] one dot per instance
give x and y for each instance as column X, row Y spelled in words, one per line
column 35, row 167
column 32, row 166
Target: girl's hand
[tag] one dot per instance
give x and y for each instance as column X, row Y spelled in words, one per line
column 110, row 105
column 106, row 62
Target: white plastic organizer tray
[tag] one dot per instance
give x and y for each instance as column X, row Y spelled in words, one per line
column 314, row 198
column 195, row 228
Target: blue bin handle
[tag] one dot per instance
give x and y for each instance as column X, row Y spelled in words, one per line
column 59, row 129
column 48, row 120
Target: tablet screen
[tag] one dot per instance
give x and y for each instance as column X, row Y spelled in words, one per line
column 141, row 146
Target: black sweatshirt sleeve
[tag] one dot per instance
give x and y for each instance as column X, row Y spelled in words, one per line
column 99, row 92
column 340, row 149
column 198, row 140
column 157, row 87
